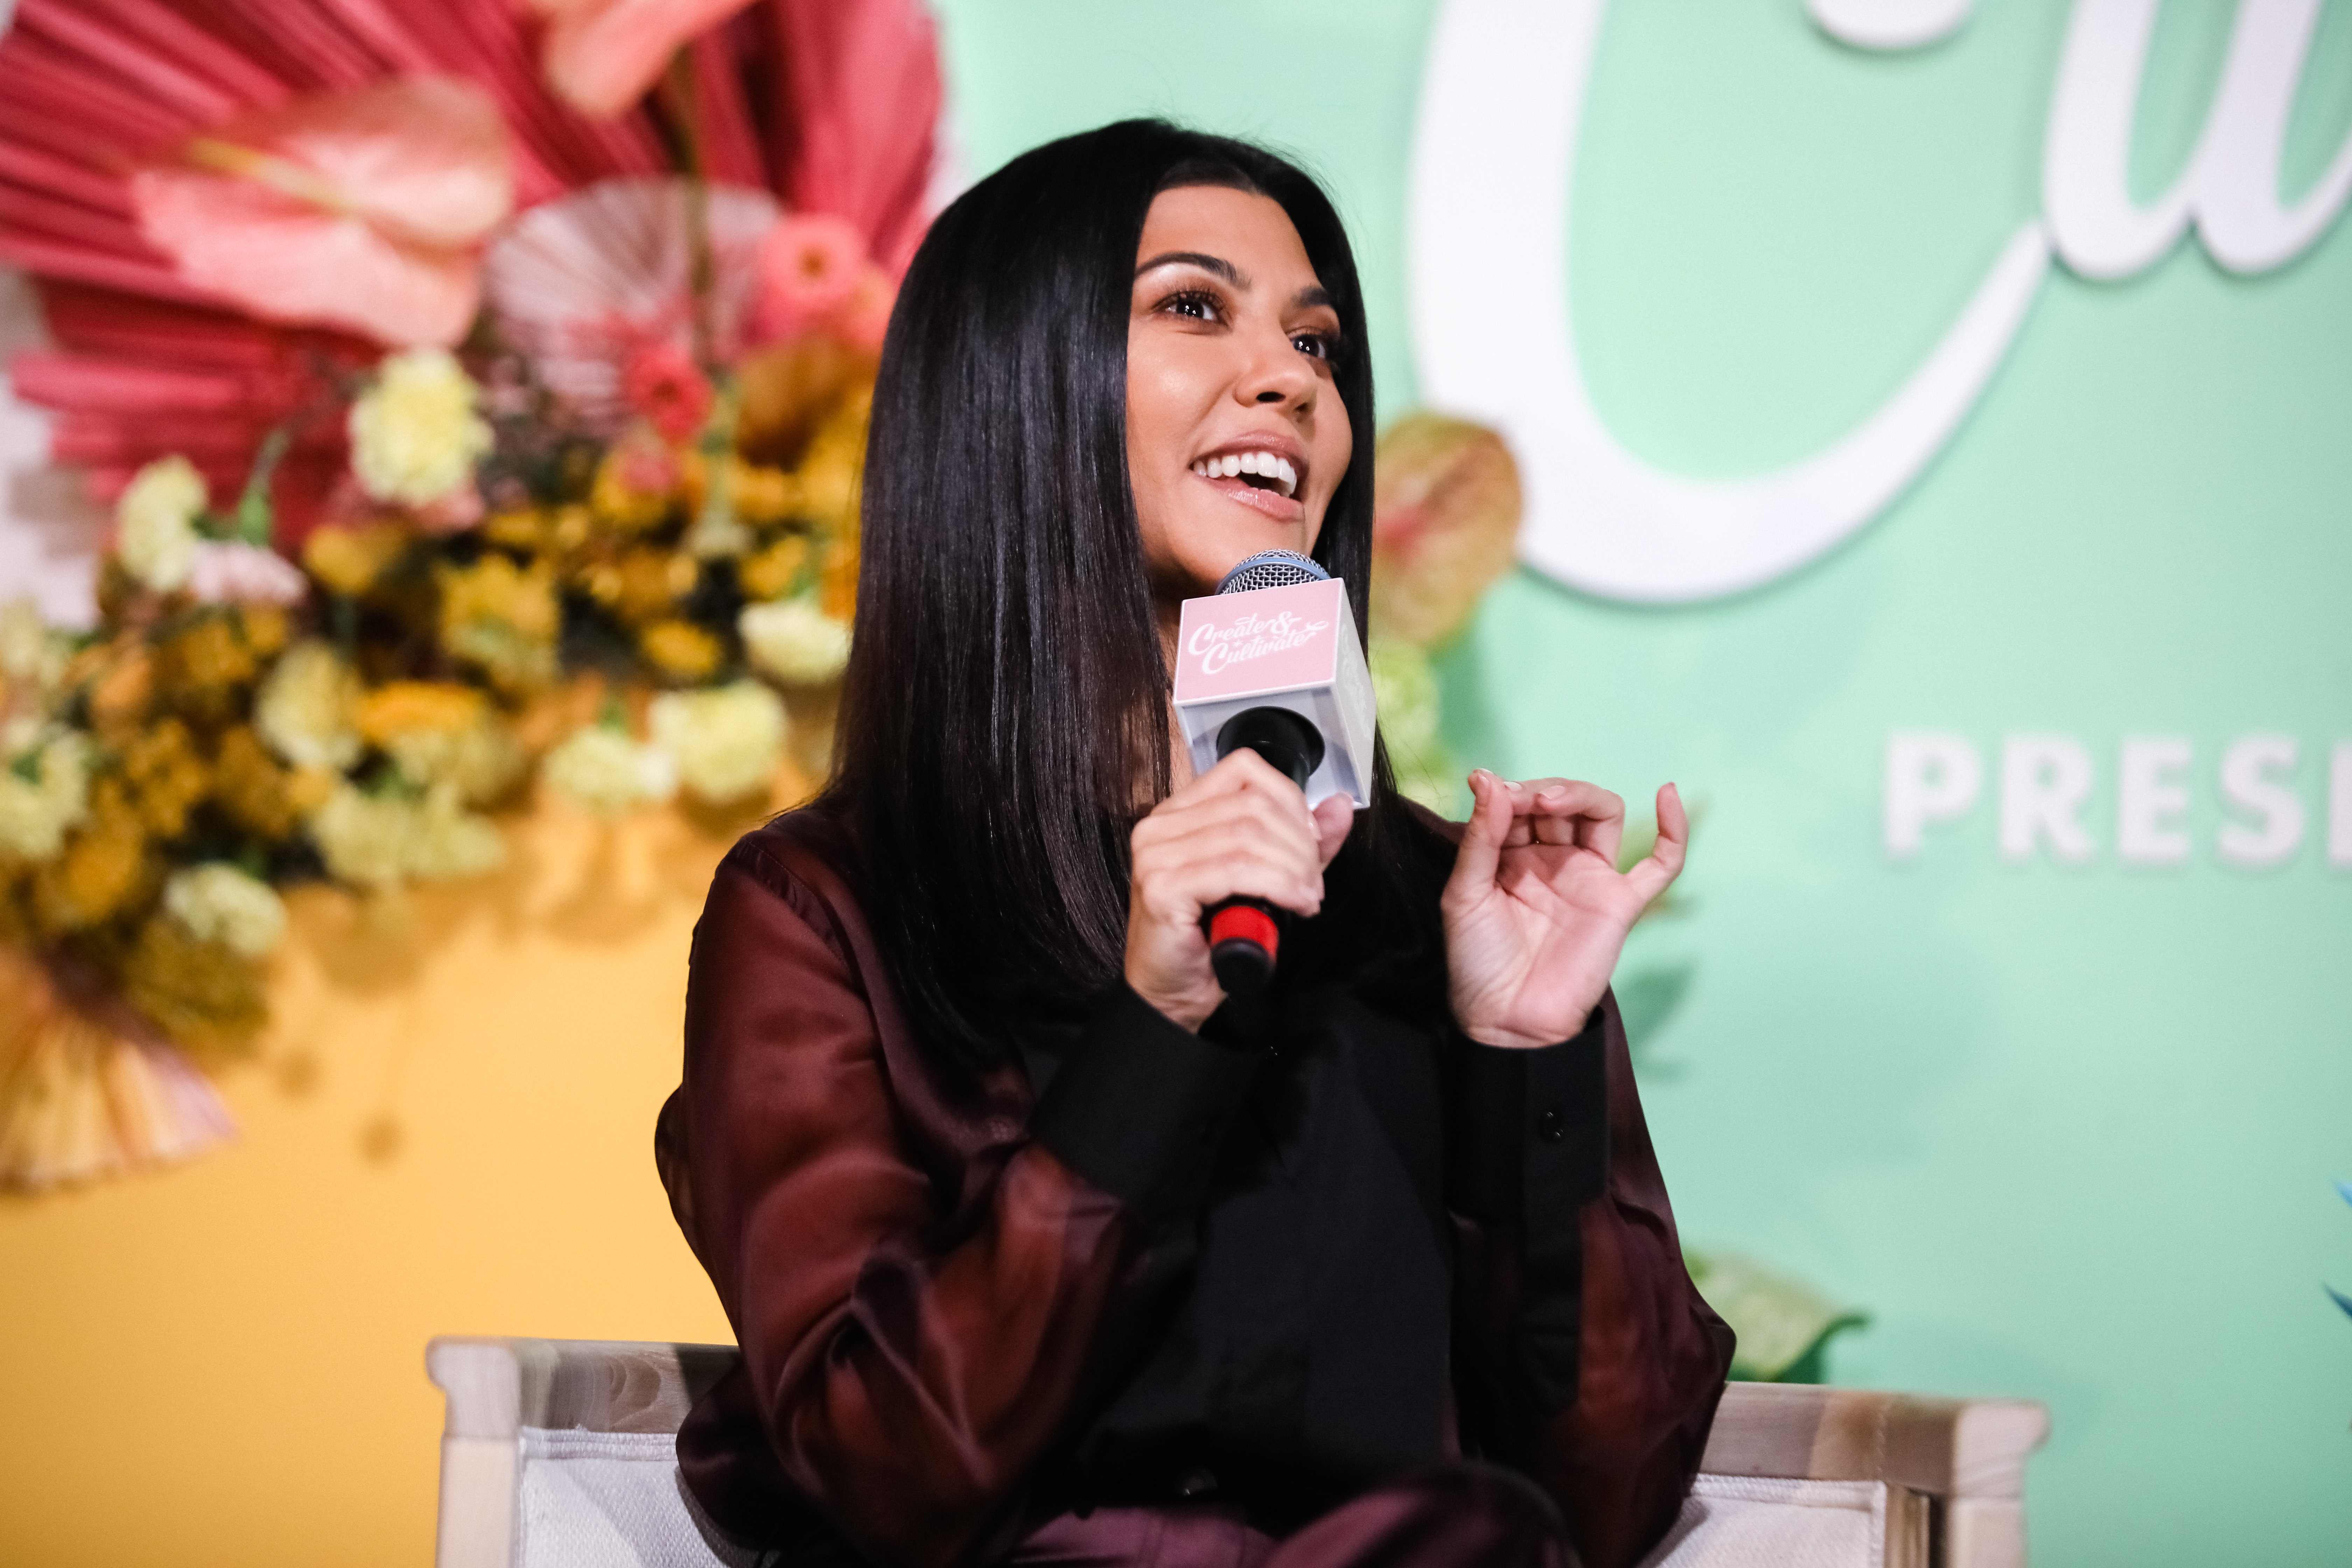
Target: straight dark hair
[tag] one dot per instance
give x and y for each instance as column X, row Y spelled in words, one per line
column 1006, row 692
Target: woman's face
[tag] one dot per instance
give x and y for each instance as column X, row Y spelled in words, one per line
column 1235, row 433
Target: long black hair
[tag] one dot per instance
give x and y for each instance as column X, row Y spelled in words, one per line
column 1006, row 686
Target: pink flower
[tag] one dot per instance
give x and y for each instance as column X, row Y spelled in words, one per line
column 362, row 209
column 226, row 573
column 810, row 266
column 667, row 390
column 600, row 56
column 645, row 465
column 456, row 512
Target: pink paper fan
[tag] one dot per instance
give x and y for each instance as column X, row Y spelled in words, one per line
column 585, row 285
column 830, row 103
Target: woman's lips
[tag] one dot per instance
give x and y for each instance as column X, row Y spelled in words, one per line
column 1273, row 504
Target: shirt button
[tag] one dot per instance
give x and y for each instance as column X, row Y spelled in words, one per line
column 1551, row 1126
column 1197, row 1483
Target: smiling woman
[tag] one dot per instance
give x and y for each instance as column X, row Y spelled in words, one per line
column 1040, row 1248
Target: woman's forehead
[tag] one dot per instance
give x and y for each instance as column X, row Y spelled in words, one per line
column 1247, row 232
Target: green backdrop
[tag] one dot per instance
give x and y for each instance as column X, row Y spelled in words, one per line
column 2068, row 1131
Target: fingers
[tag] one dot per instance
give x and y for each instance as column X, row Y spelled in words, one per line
column 1333, row 818
column 1656, row 872
column 1240, row 829
column 1484, row 838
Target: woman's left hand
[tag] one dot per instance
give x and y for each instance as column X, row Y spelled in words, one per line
column 1537, row 911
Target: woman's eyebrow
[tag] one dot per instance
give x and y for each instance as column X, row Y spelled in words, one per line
column 1216, row 265
column 1315, row 294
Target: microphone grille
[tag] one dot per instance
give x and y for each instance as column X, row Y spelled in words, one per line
column 1272, row 569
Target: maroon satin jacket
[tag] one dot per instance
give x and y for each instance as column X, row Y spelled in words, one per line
column 929, row 1301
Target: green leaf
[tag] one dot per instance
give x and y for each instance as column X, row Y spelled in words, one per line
column 1783, row 1324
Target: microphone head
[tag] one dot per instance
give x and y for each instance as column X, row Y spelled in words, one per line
column 1272, row 569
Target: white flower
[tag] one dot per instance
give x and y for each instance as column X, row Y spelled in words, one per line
column 452, row 841
column 378, row 842
column 217, row 903
column 226, row 573
column 305, row 710
column 416, row 434
column 155, row 523
column 794, row 640
column 30, row 654
column 44, row 788
column 606, row 771
column 725, row 741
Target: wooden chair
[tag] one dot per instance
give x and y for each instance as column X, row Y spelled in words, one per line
column 559, row 1452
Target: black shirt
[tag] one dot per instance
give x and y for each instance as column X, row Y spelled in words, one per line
column 1306, row 1156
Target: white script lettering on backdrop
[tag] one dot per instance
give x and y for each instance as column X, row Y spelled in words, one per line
column 1511, row 75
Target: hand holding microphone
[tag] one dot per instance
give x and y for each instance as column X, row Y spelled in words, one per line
column 1240, row 829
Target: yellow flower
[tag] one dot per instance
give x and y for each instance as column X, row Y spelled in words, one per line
column 636, row 484
column 603, row 769
column 305, row 710
column 763, row 495
column 155, row 523
column 44, row 789
column 220, row 903
column 202, row 669
column 440, row 732
column 794, row 640
column 830, row 469
column 680, row 650
column 502, row 618
column 205, row 995
column 416, row 434
column 771, row 573
column 726, row 742
column 351, row 560
column 101, row 872
column 255, row 793
column 164, row 777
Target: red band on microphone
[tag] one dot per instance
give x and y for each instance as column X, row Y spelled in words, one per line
column 1240, row 922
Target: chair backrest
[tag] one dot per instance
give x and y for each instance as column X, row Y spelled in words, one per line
column 559, row 1454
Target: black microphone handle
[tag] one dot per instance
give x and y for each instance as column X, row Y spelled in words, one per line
column 1245, row 933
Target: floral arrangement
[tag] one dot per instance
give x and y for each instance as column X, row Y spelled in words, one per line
column 481, row 397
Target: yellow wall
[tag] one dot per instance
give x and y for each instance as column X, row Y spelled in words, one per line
column 448, row 1132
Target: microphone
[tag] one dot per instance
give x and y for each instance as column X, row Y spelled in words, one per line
column 1273, row 663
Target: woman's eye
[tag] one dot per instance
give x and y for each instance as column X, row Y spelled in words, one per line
column 1199, row 307
column 1314, row 345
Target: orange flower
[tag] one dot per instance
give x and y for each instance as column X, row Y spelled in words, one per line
column 681, row 650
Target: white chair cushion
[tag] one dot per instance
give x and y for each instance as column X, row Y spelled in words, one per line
column 613, row 1499
column 1757, row 1521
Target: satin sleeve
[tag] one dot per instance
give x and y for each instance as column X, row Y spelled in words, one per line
column 1584, row 1356
column 913, row 1341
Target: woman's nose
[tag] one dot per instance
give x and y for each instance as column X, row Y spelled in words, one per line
column 1276, row 372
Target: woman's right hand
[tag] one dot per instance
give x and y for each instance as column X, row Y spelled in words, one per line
column 1240, row 829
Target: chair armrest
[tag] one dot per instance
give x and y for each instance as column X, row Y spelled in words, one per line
column 1968, row 1455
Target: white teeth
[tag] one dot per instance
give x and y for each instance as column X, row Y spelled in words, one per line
column 1266, row 465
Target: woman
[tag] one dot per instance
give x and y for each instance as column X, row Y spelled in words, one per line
column 1038, row 1250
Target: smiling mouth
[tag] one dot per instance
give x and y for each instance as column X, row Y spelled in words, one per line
column 1259, row 470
